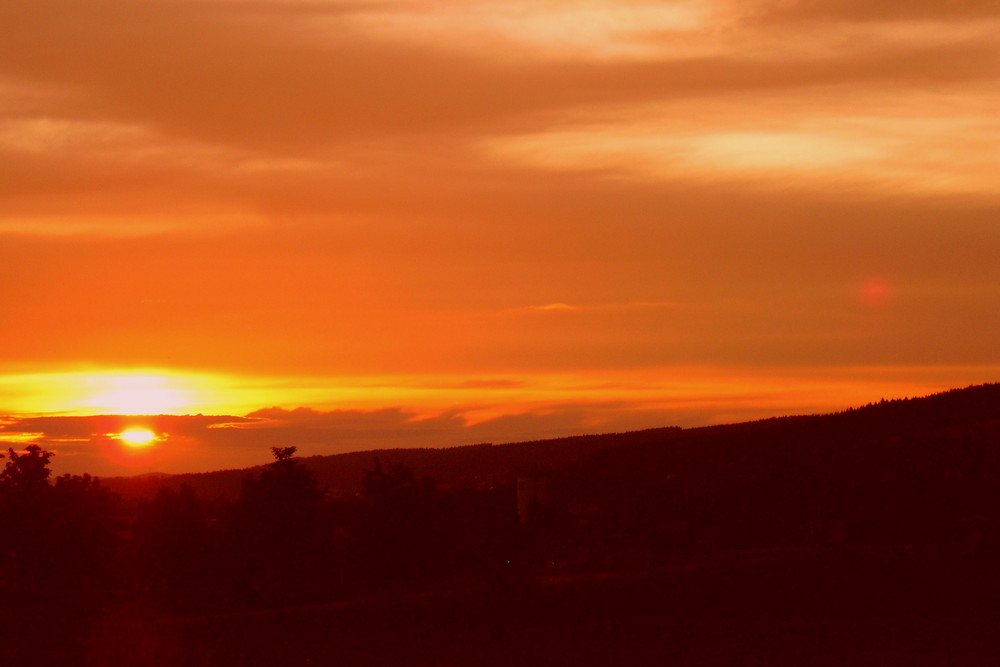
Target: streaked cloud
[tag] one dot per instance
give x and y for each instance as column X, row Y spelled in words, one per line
column 554, row 306
column 589, row 29
column 606, row 307
column 883, row 10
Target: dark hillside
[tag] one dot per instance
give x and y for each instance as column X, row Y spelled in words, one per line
column 469, row 465
column 778, row 441
column 914, row 472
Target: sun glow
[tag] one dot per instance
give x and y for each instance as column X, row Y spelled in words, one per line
column 137, row 437
column 138, row 394
column 120, row 392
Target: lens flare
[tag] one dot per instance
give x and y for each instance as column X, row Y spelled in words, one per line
column 876, row 292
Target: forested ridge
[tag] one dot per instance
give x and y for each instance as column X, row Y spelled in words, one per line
column 909, row 488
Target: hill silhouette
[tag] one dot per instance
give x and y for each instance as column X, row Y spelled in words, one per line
column 869, row 536
column 969, row 415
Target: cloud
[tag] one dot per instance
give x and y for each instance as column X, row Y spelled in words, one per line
column 295, row 79
column 883, row 10
column 190, row 443
column 154, row 117
column 874, row 139
column 199, row 71
column 592, row 29
column 57, row 428
column 498, row 383
column 560, row 307
column 554, row 307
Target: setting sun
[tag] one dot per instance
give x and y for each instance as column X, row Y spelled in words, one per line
column 137, row 437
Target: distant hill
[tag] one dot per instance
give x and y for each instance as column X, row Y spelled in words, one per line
column 343, row 473
column 949, row 431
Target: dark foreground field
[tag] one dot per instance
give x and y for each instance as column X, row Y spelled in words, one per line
column 832, row 607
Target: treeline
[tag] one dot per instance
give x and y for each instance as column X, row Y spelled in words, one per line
column 919, row 475
column 70, row 543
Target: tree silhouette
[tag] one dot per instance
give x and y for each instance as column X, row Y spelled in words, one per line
column 275, row 526
column 85, row 535
column 27, row 472
column 55, row 540
column 172, row 548
column 396, row 532
column 284, row 498
column 391, row 486
column 26, row 518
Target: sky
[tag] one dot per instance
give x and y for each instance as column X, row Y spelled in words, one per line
column 355, row 224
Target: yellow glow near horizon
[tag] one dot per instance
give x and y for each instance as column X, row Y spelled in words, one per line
column 481, row 398
column 123, row 392
column 163, row 391
column 138, row 395
column 137, row 437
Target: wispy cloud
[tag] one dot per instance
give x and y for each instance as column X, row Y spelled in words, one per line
column 591, row 29
column 554, row 307
column 605, row 307
column 874, row 140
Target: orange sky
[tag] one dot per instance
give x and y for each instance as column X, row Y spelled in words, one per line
column 348, row 225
